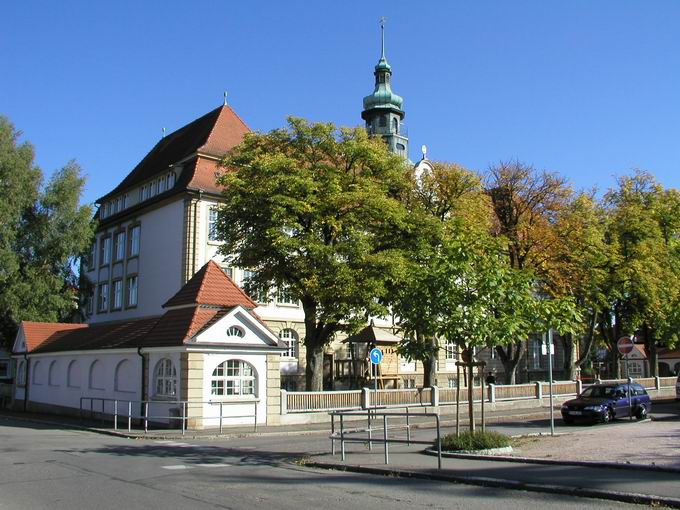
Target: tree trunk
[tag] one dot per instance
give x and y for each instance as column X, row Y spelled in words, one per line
column 314, row 368
column 471, row 405
column 430, row 365
column 510, row 357
column 569, row 349
column 317, row 335
column 652, row 352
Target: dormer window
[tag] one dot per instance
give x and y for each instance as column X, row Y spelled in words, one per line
column 235, row 331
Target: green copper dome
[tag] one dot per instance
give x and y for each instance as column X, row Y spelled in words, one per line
column 382, row 98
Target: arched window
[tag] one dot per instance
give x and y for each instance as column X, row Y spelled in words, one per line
column 125, row 377
column 37, row 373
column 395, row 126
column 236, row 331
column 290, row 338
column 73, row 374
column 165, row 379
column 232, row 378
column 95, row 377
column 52, row 374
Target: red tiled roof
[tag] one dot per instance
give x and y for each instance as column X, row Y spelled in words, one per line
column 215, row 133
column 37, row 333
column 211, row 286
column 669, row 353
column 66, row 337
column 179, row 325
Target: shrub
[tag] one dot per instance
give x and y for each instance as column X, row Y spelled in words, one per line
column 477, row 440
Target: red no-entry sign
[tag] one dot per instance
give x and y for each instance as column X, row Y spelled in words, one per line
column 625, row 345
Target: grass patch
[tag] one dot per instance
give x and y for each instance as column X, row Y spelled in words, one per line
column 476, row 440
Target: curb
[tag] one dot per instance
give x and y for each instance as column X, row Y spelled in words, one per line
column 625, row 497
column 556, row 462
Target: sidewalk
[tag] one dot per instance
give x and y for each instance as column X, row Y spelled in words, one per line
column 417, row 422
column 620, row 482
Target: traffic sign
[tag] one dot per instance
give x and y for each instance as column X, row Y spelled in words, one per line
column 376, row 356
column 625, row 345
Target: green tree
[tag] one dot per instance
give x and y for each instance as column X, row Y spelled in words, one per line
column 450, row 199
column 43, row 230
column 321, row 213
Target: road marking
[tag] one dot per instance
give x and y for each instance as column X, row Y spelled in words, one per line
column 178, row 466
column 163, row 442
column 214, row 465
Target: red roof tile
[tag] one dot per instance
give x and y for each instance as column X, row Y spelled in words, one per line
column 211, row 286
column 215, row 133
column 37, row 333
column 66, row 337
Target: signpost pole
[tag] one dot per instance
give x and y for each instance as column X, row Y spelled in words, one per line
column 550, row 377
column 630, row 397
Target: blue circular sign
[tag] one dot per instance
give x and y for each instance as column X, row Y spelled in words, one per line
column 376, row 356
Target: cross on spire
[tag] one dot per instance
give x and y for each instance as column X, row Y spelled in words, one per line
column 382, row 36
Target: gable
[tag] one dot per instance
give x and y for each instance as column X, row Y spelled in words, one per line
column 19, row 342
column 238, row 328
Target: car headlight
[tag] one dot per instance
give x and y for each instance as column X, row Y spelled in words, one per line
column 592, row 408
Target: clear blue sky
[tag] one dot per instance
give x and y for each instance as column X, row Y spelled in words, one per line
column 587, row 89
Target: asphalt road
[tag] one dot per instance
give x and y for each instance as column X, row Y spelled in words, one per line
column 45, row 467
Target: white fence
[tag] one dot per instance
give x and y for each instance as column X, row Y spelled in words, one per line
column 319, row 401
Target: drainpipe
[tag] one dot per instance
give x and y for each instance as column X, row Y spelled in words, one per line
column 26, row 381
column 142, row 381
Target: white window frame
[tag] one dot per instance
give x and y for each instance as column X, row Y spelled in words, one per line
column 284, row 297
column 212, row 223
column 135, row 240
column 132, row 291
column 450, row 350
column 117, row 295
column 165, row 378
column 105, row 253
column 103, row 297
column 234, row 378
column 119, row 246
column 236, row 332
column 290, row 337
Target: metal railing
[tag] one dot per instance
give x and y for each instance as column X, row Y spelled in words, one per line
column 126, row 411
column 349, row 435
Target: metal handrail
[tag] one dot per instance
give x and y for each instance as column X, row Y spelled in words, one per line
column 373, row 413
column 184, row 406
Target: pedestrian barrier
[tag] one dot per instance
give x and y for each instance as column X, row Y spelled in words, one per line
column 150, row 411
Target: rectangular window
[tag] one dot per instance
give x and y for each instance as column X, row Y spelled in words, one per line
column 171, row 180
column 125, row 201
column 212, row 223
column 259, row 295
column 4, row 369
column 103, row 297
column 284, row 296
column 451, row 350
column 119, row 246
column 535, row 354
column 229, row 271
column 153, row 188
column 135, row 233
column 117, row 295
column 105, row 251
column 161, row 185
column 132, row 283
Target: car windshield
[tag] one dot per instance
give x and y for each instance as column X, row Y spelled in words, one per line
column 599, row 392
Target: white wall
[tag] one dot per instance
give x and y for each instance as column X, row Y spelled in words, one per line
column 62, row 379
column 158, row 266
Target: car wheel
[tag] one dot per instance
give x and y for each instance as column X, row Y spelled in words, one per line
column 641, row 413
column 568, row 421
column 607, row 416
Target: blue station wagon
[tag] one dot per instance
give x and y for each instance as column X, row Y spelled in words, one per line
column 605, row 402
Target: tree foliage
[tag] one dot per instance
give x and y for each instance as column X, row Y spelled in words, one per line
column 321, row 212
column 43, row 230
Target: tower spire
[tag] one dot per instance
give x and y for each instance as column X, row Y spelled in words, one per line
column 383, row 109
column 382, row 37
